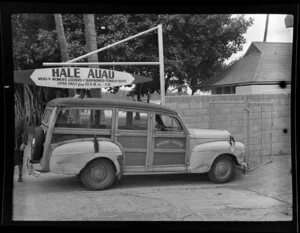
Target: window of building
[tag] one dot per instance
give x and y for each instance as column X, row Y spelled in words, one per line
column 225, row 90
column 219, row 90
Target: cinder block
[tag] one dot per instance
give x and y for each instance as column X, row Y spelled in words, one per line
column 192, row 113
column 238, row 136
column 194, row 105
column 205, row 118
column 172, row 105
column 226, row 110
column 205, row 105
column 203, row 125
column 189, row 125
column 237, row 129
column 285, row 151
column 184, row 106
column 257, row 147
column 186, row 119
column 220, row 125
column 220, row 117
column 194, row 119
column 278, row 145
column 202, row 111
column 266, row 152
column 235, row 117
column 266, row 146
column 254, row 141
column 266, row 115
column 205, row 98
column 237, row 123
column 250, row 147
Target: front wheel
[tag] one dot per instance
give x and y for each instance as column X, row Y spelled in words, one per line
column 222, row 170
column 98, row 175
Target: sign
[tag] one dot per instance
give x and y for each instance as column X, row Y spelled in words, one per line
column 77, row 77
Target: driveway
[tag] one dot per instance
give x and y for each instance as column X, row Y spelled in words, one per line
column 264, row 194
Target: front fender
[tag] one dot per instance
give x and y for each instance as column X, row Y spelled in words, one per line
column 71, row 158
column 203, row 155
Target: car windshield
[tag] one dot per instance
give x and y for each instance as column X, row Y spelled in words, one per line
column 46, row 116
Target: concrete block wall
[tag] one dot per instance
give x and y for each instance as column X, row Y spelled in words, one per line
column 268, row 129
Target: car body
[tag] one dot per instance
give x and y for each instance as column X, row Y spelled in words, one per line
column 102, row 140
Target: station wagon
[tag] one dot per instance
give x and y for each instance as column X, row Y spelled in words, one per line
column 101, row 140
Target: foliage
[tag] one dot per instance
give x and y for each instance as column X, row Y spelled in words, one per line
column 195, row 45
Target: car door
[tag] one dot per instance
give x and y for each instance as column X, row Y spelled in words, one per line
column 132, row 134
column 169, row 144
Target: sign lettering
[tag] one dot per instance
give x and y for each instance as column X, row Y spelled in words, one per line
column 75, row 77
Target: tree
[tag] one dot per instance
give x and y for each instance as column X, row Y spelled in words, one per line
column 33, row 43
column 91, row 45
column 195, row 45
column 62, row 44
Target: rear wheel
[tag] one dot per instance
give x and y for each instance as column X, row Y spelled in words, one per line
column 98, row 175
column 37, row 145
column 222, row 170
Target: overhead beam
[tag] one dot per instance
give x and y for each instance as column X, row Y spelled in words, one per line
column 111, row 45
column 160, row 63
column 100, row 63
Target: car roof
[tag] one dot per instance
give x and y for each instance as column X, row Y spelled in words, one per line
column 96, row 102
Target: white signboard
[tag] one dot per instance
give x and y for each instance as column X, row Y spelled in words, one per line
column 78, row 77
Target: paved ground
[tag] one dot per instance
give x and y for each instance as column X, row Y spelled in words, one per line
column 264, row 194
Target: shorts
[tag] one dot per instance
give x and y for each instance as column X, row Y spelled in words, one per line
column 19, row 157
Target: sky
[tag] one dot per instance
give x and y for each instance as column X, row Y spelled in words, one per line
column 277, row 32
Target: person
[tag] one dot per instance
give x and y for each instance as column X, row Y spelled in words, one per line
column 159, row 125
column 21, row 138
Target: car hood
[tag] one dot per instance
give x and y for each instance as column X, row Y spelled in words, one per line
column 208, row 133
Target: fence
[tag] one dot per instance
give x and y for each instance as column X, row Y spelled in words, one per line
column 261, row 122
column 237, row 117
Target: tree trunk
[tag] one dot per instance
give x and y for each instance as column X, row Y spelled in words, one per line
column 91, row 45
column 62, row 43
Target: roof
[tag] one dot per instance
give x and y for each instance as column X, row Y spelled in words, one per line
column 263, row 63
column 95, row 102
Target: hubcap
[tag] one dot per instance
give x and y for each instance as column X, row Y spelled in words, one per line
column 98, row 173
column 222, row 169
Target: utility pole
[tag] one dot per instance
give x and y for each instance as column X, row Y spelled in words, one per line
column 266, row 28
column 161, row 64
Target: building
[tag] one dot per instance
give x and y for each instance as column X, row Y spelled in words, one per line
column 265, row 68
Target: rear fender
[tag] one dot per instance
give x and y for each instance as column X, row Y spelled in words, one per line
column 70, row 158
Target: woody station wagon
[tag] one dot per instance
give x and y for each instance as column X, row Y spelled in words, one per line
column 102, row 140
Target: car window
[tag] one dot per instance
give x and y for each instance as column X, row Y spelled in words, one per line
column 167, row 123
column 46, row 115
column 130, row 120
column 85, row 118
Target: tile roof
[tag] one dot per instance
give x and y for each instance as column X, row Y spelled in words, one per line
column 263, row 63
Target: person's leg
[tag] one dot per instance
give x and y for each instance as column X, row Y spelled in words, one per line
column 20, row 166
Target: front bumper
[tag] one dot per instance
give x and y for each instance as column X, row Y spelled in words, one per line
column 243, row 167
